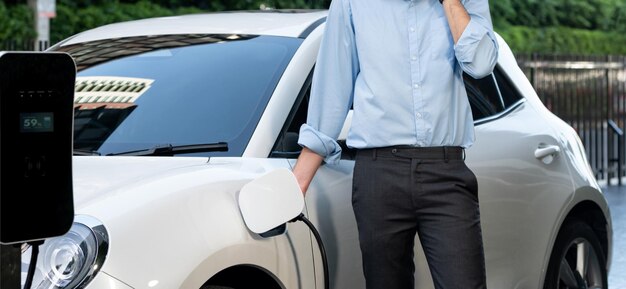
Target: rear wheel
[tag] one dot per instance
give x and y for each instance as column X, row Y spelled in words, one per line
column 577, row 260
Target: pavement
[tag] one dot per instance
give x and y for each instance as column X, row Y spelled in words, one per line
column 616, row 197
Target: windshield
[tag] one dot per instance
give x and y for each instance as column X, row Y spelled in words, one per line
column 142, row 92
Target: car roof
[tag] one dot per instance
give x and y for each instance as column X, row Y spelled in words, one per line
column 290, row 23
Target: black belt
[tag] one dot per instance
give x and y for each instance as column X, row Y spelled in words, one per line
column 438, row 153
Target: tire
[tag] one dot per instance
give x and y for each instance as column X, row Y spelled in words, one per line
column 575, row 244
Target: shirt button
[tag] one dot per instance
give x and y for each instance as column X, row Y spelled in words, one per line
column 418, row 115
column 413, row 58
column 416, row 86
column 412, row 29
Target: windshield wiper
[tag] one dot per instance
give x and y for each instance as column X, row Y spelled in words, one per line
column 170, row 150
column 84, row 152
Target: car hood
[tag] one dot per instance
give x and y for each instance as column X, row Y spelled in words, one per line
column 112, row 180
column 95, row 177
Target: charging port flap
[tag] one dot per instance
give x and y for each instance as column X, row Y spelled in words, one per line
column 271, row 201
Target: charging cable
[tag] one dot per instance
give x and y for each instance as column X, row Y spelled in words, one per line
column 33, row 263
column 302, row 218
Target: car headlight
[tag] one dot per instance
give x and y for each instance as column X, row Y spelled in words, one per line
column 71, row 260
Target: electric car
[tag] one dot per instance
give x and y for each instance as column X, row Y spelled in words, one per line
column 173, row 116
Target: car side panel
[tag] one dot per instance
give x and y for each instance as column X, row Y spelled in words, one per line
column 329, row 203
column 521, row 197
column 582, row 176
column 583, row 179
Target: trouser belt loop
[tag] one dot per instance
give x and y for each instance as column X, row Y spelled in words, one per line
column 374, row 154
column 445, row 154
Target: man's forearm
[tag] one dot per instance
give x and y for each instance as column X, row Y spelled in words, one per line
column 458, row 18
column 306, row 166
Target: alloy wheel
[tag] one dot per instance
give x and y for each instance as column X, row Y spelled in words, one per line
column 580, row 267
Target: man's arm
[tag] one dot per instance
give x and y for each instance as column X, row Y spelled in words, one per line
column 458, row 18
column 307, row 165
column 331, row 94
column 476, row 47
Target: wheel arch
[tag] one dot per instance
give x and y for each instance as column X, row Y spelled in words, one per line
column 589, row 212
column 590, row 207
column 585, row 219
column 223, row 267
column 244, row 276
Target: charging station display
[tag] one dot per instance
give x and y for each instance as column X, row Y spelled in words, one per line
column 36, row 127
column 37, row 122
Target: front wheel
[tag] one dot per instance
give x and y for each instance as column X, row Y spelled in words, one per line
column 577, row 260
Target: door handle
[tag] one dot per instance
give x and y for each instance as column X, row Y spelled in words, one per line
column 547, row 153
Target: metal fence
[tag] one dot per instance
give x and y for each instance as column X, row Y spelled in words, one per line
column 589, row 93
column 12, row 45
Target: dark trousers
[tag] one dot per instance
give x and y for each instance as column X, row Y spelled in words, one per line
column 398, row 192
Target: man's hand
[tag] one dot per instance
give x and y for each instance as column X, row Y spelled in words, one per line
column 458, row 18
column 306, row 166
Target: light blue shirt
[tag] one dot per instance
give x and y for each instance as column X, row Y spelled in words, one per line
column 396, row 63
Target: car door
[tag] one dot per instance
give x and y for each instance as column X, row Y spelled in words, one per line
column 523, row 181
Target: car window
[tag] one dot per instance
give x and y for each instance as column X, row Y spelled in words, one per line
column 483, row 96
column 508, row 92
column 490, row 95
column 286, row 145
column 141, row 92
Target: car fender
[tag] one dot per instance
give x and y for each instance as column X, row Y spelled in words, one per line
column 187, row 220
column 580, row 195
column 263, row 254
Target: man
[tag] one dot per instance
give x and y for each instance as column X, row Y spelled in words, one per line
column 399, row 63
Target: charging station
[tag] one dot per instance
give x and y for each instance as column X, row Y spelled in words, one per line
column 36, row 130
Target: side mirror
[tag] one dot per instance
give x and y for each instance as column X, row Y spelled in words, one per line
column 270, row 201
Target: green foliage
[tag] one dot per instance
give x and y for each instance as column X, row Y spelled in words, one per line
column 566, row 26
column 16, row 23
column 562, row 26
column 563, row 40
column 617, row 18
column 536, row 13
column 502, row 12
column 75, row 18
column 609, row 15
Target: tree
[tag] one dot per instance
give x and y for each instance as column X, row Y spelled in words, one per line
column 16, row 23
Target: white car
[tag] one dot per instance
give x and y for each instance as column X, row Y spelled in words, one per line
column 226, row 93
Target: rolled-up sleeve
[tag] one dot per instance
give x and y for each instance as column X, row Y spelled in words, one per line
column 333, row 84
column 320, row 143
column 477, row 48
